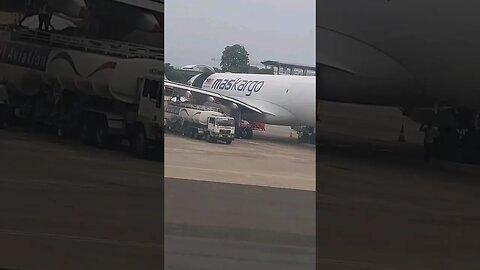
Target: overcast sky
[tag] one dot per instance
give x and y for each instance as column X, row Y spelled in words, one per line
column 198, row 30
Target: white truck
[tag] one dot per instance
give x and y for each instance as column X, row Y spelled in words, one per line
column 199, row 122
column 99, row 90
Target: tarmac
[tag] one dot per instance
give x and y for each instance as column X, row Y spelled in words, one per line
column 64, row 205
column 379, row 206
column 248, row 205
column 214, row 226
column 272, row 159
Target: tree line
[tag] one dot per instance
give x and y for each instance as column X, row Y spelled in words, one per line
column 234, row 60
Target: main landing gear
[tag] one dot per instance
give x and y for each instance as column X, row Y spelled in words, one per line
column 307, row 135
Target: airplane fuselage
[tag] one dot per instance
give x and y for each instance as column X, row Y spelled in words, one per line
column 288, row 100
column 404, row 53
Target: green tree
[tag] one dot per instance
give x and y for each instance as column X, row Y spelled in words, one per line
column 235, row 59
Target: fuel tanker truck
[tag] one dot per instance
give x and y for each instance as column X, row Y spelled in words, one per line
column 199, row 122
column 102, row 91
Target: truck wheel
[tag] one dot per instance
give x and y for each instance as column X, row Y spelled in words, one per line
column 195, row 134
column 140, row 143
column 208, row 138
column 243, row 133
column 86, row 133
column 101, row 136
column 228, row 141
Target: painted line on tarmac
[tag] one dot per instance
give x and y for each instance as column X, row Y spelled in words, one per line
column 75, row 238
column 241, row 173
column 300, row 181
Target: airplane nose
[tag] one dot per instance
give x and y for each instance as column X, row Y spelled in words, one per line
column 210, row 99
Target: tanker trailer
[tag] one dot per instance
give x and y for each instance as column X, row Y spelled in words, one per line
column 200, row 122
column 100, row 90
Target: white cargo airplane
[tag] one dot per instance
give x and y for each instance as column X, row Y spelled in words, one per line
column 270, row 99
column 420, row 56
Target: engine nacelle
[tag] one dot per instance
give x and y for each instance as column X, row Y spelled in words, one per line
column 445, row 117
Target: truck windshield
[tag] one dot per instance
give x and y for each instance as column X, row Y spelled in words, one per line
column 225, row 122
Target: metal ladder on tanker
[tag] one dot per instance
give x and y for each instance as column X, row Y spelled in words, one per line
column 194, row 106
column 104, row 47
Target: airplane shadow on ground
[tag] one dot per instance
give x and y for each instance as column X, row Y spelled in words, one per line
column 263, row 138
column 334, row 149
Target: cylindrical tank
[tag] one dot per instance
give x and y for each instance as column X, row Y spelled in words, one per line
column 78, row 71
column 197, row 116
column 25, row 83
column 72, row 8
column 145, row 22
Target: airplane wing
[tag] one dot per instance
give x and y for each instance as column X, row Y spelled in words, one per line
column 155, row 5
column 240, row 103
column 265, row 106
column 321, row 65
column 352, row 70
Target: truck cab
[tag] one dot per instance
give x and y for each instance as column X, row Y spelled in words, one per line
column 150, row 109
column 148, row 130
column 221, row 128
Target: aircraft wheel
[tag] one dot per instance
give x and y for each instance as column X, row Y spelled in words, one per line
column 312, row 139
column 60, row 132
column 303, row 137
column 249, row 134
column 243, row 133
